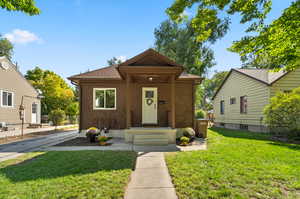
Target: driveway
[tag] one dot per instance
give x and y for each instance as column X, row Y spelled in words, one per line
column 15, row 149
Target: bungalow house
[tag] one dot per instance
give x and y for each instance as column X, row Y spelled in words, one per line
column 15, row 90
column 241, row 98
column 148, row 90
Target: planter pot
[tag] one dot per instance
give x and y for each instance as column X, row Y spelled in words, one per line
column 102, row 143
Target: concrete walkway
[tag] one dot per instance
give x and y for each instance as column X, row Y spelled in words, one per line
column 17, row 132
column 15, row 149
column 150, row 179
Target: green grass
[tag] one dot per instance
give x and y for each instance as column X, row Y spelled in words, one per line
column 236, row 165
column 66, row 175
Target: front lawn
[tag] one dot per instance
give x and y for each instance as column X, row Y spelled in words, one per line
column 237, row 164
column 69, row 174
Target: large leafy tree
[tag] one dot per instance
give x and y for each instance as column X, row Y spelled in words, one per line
column 180, row 44
column 277, row 45
column 57, row 93
column 274, row 46
column 26, row 6
column 6, row 48
column 212, row 14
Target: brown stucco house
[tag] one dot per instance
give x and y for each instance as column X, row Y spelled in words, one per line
column 147, row 90
column 14, row 91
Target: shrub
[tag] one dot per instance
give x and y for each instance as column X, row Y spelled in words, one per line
column 187, row 132
column 184, row 140
column 200, row 114
column 57, row 116
column 283, row 112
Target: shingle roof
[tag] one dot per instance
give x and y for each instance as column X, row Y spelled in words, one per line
column 149, row 57
column 262, row 75
column 111, row 72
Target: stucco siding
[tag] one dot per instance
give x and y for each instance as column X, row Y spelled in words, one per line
column 238, row 85
column 287, row 83
column 12, row 81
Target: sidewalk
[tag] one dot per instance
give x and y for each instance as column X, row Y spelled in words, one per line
column 17, row 132
column 150, row 179
column 15, row 149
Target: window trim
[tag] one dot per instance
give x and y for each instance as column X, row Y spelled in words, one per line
column 104, row 89
column 245, row 110
column 230, row 100
column 12, row 98
column 222, row 102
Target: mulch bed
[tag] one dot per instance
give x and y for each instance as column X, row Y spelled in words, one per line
column 79, row 141
column 10, row 139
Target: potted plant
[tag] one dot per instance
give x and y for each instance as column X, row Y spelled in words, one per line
column 102, row 140
column 184, row 141
column 91, row 134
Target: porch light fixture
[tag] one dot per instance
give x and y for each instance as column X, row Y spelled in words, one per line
column 150, row 78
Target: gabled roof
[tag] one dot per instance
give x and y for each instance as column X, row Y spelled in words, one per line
column 149, row 57
column 264, row 76
column 15, row 68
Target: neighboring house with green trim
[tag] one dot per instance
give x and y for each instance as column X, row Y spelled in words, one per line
column 241, row 98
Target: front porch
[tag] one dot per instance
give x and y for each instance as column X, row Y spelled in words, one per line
column 150, row 96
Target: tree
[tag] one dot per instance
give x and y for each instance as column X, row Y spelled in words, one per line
column 72, row 111
column 213, row 14
column 26, row 6
column 277, row 45
column 284, row 111
column 57, row 93
column 57, row 116
column 6, row 48
column 208, row 88
column 180, row 44
column 114, row 61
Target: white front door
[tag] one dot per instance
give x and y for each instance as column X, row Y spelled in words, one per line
column 34, row 113
column 149, row 105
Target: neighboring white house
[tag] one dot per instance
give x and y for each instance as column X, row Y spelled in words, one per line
column 14, row 91
column 241, row 98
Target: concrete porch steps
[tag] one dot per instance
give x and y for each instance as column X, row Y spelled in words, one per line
column 157, row 139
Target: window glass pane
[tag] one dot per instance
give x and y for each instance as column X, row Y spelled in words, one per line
column 4, row 98
column 9, row 99
column 110, row 98
column 34, row 108
column 99, row 98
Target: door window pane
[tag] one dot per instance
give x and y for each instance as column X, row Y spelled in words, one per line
column 149, row 94
column 34, row 108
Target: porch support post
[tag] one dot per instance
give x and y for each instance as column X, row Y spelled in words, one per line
column 173, row 101
column 128, row 101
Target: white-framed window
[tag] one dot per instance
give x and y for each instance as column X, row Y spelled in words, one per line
column 105, row 99
column 7, row 99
